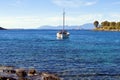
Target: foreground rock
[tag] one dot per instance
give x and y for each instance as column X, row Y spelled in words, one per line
column 7, row 78
column 46, row 76
column 11, row 73
column 32, row 72
column 21, row 73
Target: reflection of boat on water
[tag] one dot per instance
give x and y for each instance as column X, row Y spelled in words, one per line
column 63, row 34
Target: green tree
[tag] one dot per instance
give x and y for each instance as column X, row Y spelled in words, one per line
column 96, row 23
column 112, row 23
column 105, row 23
column 118, row 25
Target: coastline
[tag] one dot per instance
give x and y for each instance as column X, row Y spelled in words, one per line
column 12, row 73
column 96, row 29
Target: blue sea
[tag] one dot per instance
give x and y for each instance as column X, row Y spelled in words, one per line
column 85, row 55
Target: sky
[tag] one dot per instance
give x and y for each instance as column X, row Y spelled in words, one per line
column 31, row 14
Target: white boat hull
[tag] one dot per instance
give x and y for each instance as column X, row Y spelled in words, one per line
column 62, row 36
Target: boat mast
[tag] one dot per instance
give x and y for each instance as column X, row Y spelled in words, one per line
column 63, row 19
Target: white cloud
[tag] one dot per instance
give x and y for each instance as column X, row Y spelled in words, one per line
column 114, row 17
column 37, row 21
column 27, row 22
column 82, row 19
column 90, row 3
column 19, row 22
column 16, row 3
column 117, row 3
column 74, row 3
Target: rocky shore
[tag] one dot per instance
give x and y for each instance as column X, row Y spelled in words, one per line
column 11, row 73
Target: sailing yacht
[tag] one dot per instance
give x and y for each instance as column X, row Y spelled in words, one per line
column 63, row 34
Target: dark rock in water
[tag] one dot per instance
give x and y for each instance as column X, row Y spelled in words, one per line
column 21, row 78
column 32, row 72
column 9, row 71
column 7, row 78
column 46, row 76
column 21, row 73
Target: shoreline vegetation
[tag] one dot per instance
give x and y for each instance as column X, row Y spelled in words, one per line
column 106, row 26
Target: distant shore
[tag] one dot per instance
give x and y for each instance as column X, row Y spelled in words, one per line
column 1, row 28
column 107, row 26
column 101, row 29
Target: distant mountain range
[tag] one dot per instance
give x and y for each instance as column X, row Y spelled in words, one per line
column 85, row 26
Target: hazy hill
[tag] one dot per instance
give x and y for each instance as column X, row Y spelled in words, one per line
column 57, row 27
column 85, row 26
